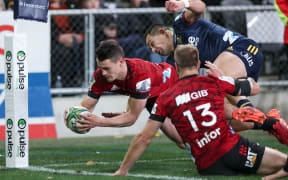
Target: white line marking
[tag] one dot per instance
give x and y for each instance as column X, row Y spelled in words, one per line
column 68, row 171
column 117, row 162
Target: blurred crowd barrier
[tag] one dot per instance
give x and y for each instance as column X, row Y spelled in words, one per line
column 73, row 59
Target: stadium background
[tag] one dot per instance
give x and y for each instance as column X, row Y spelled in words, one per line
column 63, row 158
column 71, row 68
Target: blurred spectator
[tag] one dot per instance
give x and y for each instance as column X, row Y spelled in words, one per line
column 110, row 30
column 67, row 47
column 157, row 3
column 104, row 25
column 131, row 29
column 137, row 23
column 2, row 5
column 236, row 20
column 9, row 4
column 73, row 4
column 215, row 17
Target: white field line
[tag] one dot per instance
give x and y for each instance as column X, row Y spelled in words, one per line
column 73, row 172
column 117, row 162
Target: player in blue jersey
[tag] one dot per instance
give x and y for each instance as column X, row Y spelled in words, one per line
column 236, row 55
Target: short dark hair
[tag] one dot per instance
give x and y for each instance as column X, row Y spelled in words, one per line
column 186, row 56
column 109, row 49
column 154, row 29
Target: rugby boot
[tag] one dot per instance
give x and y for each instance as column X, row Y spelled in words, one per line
column 249, row 114
column 276, row 126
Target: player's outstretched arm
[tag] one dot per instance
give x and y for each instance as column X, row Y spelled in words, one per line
column 123, row 120
column 87, row 102
column 194, row 8
column 138, row 146
column 171, row 132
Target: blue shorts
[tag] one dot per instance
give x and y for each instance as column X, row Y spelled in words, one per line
column 251, row 55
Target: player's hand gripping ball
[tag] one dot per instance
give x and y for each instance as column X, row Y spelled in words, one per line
column 73, row 115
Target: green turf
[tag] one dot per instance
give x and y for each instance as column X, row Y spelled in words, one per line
column 107, row 152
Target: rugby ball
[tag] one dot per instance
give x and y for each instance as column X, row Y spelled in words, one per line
column 71, row 117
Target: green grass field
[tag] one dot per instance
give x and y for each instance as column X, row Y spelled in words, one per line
column 66, row 159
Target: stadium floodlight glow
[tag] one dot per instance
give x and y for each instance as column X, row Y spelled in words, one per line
column 16, row 101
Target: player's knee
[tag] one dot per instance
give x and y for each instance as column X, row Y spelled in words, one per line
column 281, row 163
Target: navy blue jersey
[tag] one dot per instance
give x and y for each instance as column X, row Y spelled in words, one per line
column 211, row 40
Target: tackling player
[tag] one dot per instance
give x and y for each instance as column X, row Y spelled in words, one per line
column 195, row 105
column 236, row 55
column 143, row 81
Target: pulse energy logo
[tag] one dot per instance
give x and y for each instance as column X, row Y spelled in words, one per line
column 9, row 126
column 8, row 70
column 21, row 56
column 22, row 139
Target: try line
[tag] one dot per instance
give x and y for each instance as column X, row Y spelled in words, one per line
column 74, row 172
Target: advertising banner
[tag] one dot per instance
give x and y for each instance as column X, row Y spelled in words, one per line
column 31, row 9
column 16, row 101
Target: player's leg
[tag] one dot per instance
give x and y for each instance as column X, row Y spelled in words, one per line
column 279, row 174
column 245, row 60
column 272, row 122
column 170, row 131
column 249, row 157
column 273, row 161
column 235, row 124
column 233, row 66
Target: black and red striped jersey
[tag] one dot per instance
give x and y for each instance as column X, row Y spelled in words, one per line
column 195, row 105
column 143, row 80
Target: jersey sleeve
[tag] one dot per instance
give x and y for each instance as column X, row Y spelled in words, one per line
column 227, row 83
column 158, row 112
column 97, row 86
column 142, row 88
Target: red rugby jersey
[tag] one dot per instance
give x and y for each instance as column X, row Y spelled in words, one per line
column 144, row 79
column 196, row 106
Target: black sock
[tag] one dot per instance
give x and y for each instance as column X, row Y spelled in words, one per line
column 244, row 102
column 268, row 123
column 257, row 126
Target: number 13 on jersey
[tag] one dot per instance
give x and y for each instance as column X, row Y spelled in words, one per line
column 205, row 112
